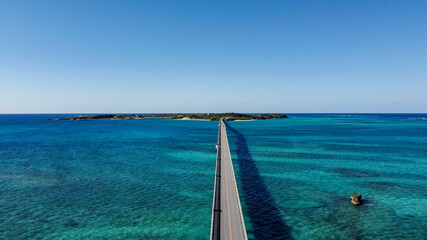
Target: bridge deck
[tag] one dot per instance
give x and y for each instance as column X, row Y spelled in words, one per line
column 231, row 224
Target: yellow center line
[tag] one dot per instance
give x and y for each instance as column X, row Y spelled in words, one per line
column 228, row 202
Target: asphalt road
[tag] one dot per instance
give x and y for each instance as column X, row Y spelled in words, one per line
column 232, row 225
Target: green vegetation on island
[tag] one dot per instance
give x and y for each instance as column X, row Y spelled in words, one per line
column 183, row 116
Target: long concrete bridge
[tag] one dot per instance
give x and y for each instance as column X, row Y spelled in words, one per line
column 227, row 217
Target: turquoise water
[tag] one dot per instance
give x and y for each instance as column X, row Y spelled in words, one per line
column 153, row 179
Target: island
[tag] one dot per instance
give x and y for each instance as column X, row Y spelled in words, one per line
column 181, row 116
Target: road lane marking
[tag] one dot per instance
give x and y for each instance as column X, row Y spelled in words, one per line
column 228, row 202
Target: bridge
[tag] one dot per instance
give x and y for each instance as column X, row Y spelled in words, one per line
column 227, row 217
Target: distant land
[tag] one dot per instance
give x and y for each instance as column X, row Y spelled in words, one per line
column 181, row 116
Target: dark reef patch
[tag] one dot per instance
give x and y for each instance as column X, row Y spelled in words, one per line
column 291, row 167
column 71, row 223
column 354, row 173
column 397, row 189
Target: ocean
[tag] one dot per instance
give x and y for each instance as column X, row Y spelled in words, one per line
column 153, row 179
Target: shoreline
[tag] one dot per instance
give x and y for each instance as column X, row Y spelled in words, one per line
column 193, row 119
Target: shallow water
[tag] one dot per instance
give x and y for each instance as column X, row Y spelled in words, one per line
column 153, row 179
column 311, row 164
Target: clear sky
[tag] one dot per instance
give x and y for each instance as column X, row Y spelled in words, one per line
column 213, row 56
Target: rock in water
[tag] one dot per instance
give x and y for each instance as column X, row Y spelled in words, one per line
column 356, row 199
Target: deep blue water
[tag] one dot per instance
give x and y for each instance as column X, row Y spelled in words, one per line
column 153, row 179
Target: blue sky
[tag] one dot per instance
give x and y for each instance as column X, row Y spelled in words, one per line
column 213, row 56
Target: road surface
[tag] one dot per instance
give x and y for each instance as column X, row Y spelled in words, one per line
column 231, row 224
